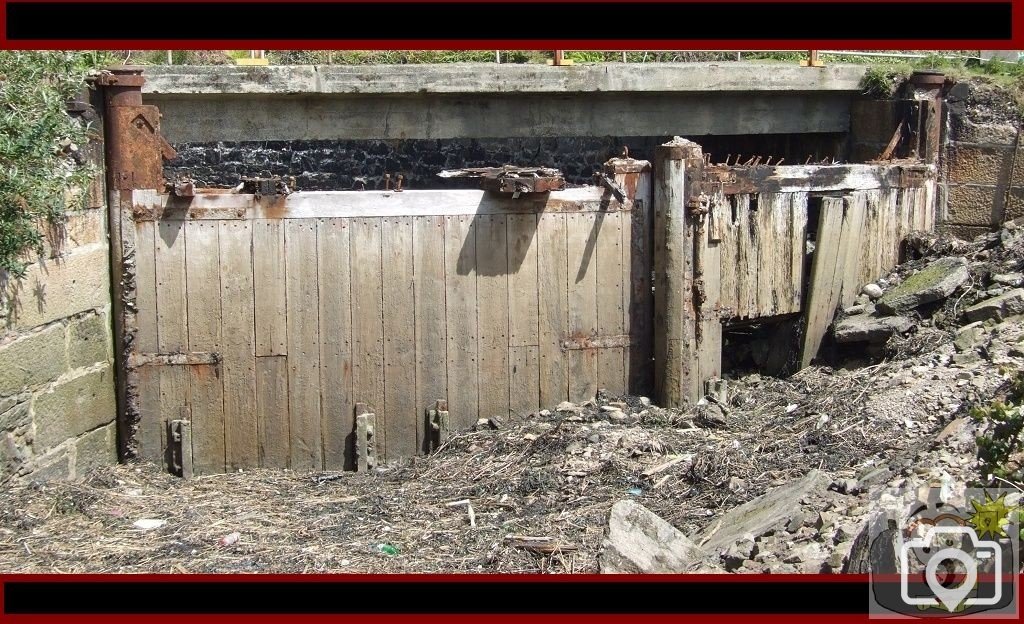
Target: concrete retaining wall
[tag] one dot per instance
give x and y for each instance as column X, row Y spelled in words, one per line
column 57, row 399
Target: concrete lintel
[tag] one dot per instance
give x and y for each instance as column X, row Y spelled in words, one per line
column 494, row 78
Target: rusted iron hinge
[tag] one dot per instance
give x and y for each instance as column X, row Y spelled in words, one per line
column 512, row 180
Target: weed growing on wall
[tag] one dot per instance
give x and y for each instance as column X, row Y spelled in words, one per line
column 40, row 162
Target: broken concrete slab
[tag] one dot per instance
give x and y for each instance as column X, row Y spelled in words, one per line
column 1007, row 304
column 764, row 512
column 864, row 328
column 935, row 282
column 640, row 542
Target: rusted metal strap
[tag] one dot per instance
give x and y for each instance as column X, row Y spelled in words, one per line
column 192, row 358
column 580, row 343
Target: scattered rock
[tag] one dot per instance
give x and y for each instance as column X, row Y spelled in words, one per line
column 873, row 291
column 760, row 514
column 638, row 541
column 863, row 328
column 736, row 555
column 1009, row 279
column 969, row 336
column 935, row 282
column 1007, row 304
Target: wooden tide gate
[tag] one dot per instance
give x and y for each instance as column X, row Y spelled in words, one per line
column 263, row 321
column 731, row 242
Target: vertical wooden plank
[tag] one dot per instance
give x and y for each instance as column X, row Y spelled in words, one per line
column 870, row 245
column 337, row 407
column 767, row 241
column 270, row 319
column 274, row 435
column 368, row 321
column 782, row 233
column 238, row 329
column 172, row 320
column 461, row 319
column 554, row 300
column 523, row 310
column 269, row 285
column 709, row 348
column 798, row 245
column 303, row 344
column 582, row 288
column 728, row 251
column 611, row 370
column 749, row 253
column 853, row 227
column 492, row 314
column 150, row 438
column 400, row 409
column 431, row 331
column 821, row 300
column 202, row 265
column 637, row 265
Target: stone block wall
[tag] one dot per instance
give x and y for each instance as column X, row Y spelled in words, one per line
column 57, row 391
column 982, row 171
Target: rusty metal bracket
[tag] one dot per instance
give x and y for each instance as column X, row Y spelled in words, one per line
column 512, row 180
column 268, row 186
column 179, row 443
column 603, row 179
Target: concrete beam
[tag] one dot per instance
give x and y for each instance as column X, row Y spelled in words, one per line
column 198, row 119
column 469, row 78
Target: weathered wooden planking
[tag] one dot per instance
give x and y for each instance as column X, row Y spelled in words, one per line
column 709, row 343
column 431, row 331
column 821, row 299
column 797, row 250
column 637, row 265
column 400, row 408
column 523, row 310
column 374, row 204
column 582, row 288
column 797, row 178
column 492, row 314
column 552, row 285
column 611, row 369
column 269, row 285
column 204, row 334
column 871, row 244
column 274, row 437
column 367, row 322
column 747, row 253
column 335, row 329
column 172, row 320
column 461, row 319
column 302, row 294
column 150, row 434
column 853, row 228
column 728, row 249
column 238, row 329
column 766, row 242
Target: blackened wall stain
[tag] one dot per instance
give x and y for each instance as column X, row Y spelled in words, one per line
column 332, row 165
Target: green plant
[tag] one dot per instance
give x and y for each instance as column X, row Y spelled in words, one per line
column 1000, row 446
column 40, row 162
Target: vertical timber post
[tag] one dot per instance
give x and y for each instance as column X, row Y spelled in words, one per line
column 634, row 178
column 675, row 352
column 133, row 155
